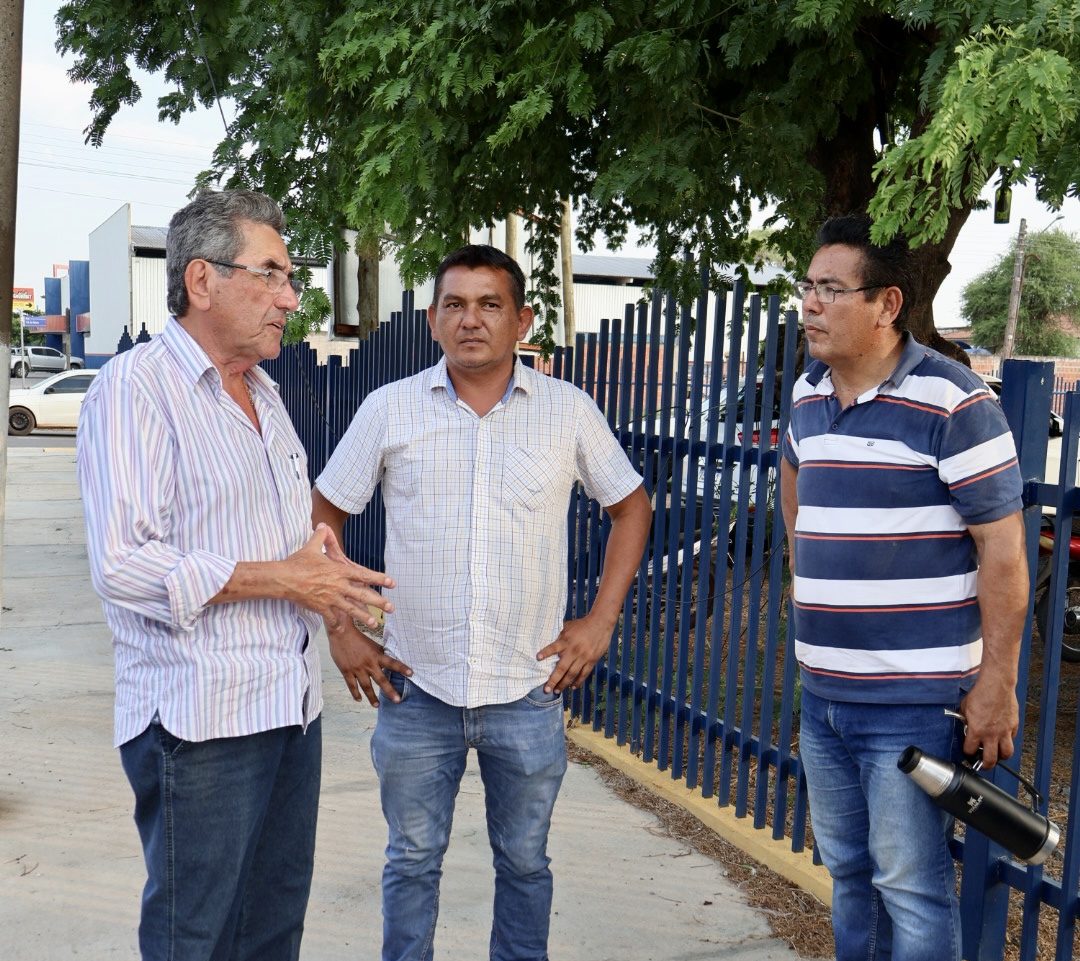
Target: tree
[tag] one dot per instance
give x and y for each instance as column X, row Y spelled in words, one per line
column 414, row 121
column 1049, row 298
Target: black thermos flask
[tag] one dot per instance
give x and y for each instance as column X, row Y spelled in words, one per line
column 958, row 789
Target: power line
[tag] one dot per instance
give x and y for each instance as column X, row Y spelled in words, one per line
column 111, row 135
column 33, row 148
column 97, row 172
column 75, row 193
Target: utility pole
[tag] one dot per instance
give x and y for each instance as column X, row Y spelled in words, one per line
column 1014, row 293
column 11, row 35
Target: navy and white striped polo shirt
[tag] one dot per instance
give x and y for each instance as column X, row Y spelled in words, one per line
column 886, row 571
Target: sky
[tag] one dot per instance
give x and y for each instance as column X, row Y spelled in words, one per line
column 67, row 189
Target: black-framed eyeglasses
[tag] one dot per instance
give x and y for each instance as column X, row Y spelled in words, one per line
column 275, row 277
column 827, row 294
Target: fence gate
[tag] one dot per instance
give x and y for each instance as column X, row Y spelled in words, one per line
column 699, row 680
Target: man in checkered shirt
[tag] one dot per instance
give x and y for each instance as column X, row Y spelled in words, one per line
column 477, row 458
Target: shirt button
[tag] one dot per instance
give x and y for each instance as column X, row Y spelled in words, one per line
column 834, row 426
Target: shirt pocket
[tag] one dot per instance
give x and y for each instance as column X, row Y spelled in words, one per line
column 403, row 477
column 530, row 477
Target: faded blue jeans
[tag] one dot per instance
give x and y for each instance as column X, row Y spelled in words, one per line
column 883, row 840
column 419, row 749
column 228, row 834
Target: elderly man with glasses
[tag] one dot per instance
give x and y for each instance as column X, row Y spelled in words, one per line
column 198, row 518
column 901, row 496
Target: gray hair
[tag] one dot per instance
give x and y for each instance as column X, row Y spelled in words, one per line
column 211, row 228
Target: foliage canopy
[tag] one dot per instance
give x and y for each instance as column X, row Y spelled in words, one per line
column 1049, row 298
column 414, row 121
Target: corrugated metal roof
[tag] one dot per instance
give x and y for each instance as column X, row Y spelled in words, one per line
column 612, row 265
column 637, row 268
column 759, row 278
column 149, row 237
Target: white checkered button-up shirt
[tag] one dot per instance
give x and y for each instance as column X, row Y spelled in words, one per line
column 476, row 521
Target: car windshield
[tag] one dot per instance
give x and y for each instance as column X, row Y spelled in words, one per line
column 48, row 381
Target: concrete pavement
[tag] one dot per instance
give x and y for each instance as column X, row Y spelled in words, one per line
column 71, row 867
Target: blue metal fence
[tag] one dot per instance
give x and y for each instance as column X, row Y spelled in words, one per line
column 699, row 680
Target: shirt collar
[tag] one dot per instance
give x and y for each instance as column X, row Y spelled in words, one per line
column 194, row 363
column 911, row 356
column 522, row 378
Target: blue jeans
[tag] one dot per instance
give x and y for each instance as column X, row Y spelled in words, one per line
column 228, row 834
column 419, row 749
column 883, row 840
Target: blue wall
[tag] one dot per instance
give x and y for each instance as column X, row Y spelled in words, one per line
column 79, row 277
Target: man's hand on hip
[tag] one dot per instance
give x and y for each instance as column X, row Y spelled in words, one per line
column 580, row 644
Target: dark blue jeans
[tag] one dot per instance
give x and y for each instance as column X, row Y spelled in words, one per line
column 228, row 833
column 883, row 840
column 419, row 747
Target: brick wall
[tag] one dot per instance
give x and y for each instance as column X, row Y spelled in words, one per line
column 1066, row 372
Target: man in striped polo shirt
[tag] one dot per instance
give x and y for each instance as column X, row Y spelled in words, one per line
column 901, row 496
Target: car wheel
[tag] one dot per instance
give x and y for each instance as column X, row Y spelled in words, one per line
column 20, row 370
column 20, row 421
column 76, row 364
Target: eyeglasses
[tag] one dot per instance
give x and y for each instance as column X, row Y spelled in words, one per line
column 275, row 278
column 826, row 294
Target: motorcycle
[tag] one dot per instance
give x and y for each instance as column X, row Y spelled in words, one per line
column 1070, row 634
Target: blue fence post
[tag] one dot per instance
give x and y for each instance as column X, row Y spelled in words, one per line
column 1067, row 506
column 984, row 895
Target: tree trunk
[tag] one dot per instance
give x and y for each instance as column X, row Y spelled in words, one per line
column 566, row 246
column 367, row 293
column 846, row 162
column 511, row 247
column 932, row 267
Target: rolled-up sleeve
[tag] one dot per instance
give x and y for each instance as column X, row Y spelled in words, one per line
column 125, row 459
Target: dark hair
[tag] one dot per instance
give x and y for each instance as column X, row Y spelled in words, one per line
column 888, row 266
column 211, row 227
column 482, row 255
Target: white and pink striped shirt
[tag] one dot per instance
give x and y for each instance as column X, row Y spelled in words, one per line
column 177, row 487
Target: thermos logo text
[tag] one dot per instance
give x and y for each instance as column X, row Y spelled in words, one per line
column 973, row 804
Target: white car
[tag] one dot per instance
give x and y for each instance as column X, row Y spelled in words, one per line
column 1057, row 422
column 52, row 404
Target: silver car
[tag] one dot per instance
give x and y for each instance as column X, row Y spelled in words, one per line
column 27, row 359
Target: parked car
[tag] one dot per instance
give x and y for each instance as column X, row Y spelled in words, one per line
column 733, row 459
column 1057, row 422
column 52, row 404
column 26, row 359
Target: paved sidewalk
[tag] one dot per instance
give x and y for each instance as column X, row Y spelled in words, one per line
column 71, row 867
